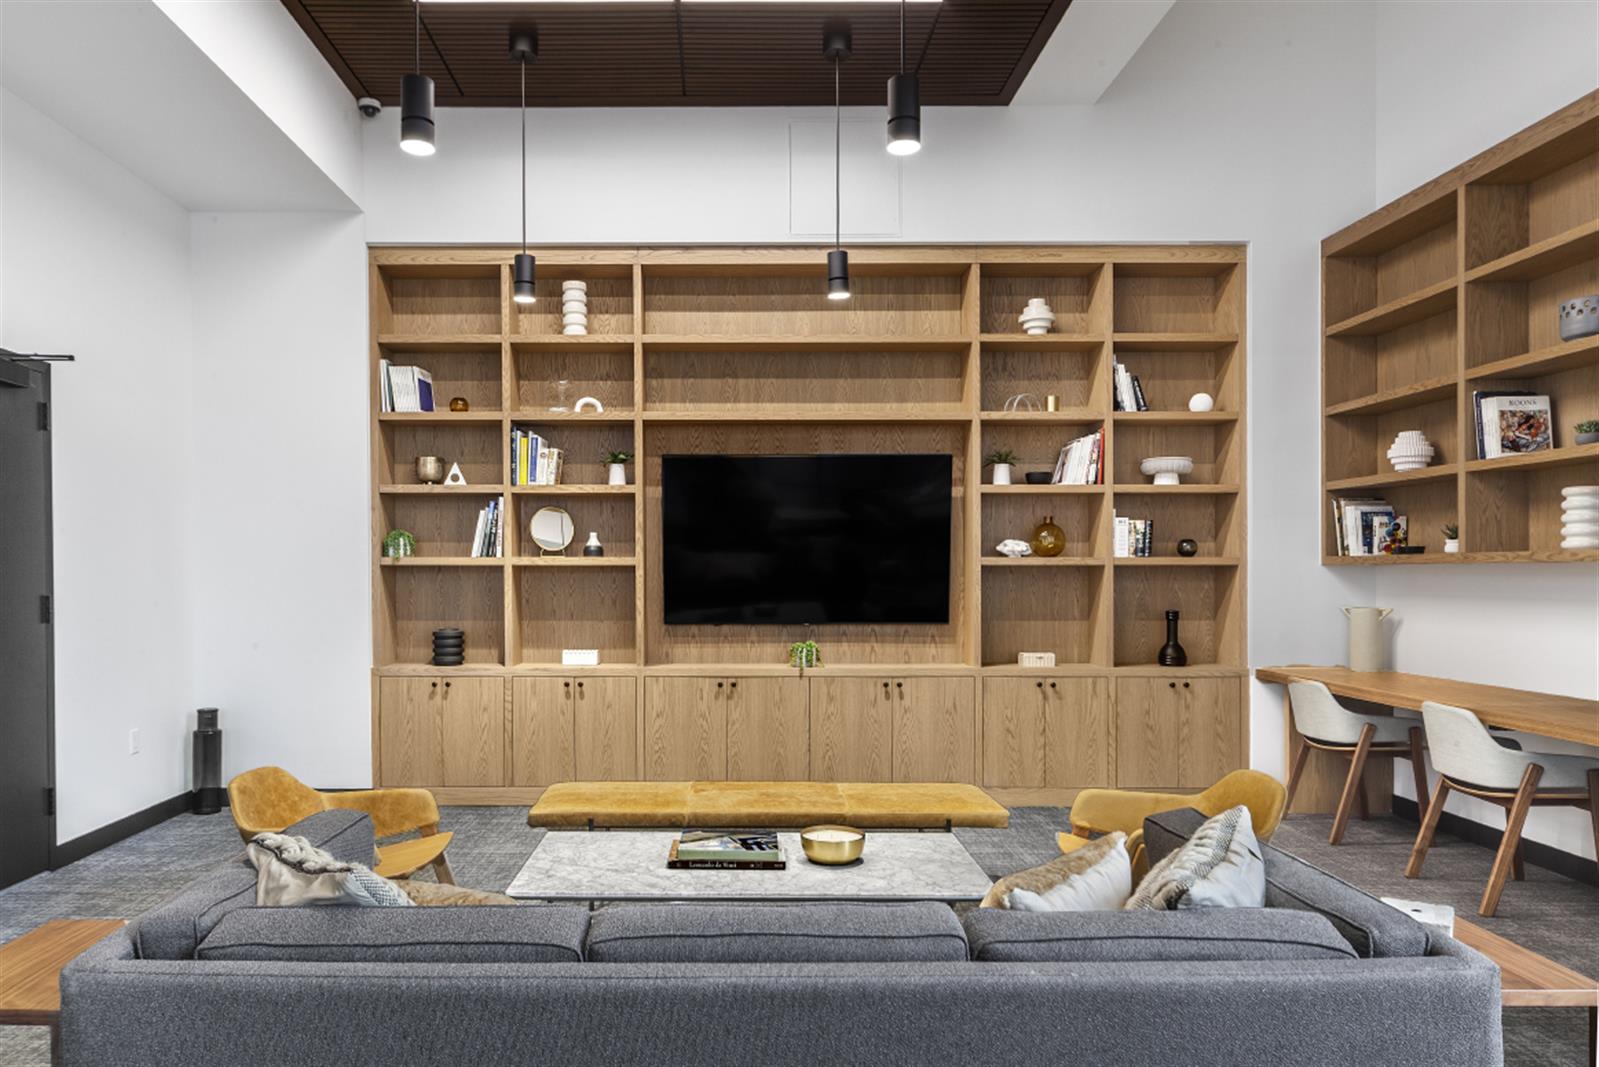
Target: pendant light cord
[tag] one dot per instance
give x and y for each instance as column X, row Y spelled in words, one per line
column 838, row 165
column 416, row 6
column 902, row 35
column 524, row 155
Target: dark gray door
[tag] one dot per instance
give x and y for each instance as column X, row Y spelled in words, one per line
column 27, row 666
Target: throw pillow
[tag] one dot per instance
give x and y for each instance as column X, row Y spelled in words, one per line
column 1219, row 867
column 435, row 894
column 290, row 871
column 1096, row 877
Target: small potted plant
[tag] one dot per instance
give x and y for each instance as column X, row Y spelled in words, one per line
column 617, row 462
column 1451, row 536
column 804, row 654
column 1002, row 460
column 1588, row 432
column 398, row 544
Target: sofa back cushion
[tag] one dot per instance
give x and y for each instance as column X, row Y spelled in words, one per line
column 1372, row 927
column 1139, row 936
column 172, row 930
column 776, row 933
column 524, row 934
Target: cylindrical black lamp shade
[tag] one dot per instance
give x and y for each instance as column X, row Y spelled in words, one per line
column 416, row 114
column 208, row 792
column 838, row 275
column 904, row 114
column 522, row 278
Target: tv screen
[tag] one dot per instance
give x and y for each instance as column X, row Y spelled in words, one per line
column 806, row 539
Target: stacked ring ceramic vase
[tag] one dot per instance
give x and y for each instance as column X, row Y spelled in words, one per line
column 1579, row 516
column 1411, row 451
column 574, row 307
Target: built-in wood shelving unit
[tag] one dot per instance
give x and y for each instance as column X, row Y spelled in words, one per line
column 1451, row 289
column 723, row 350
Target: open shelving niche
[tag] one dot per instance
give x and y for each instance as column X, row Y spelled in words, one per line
column 737, row 350
column 1451, row 289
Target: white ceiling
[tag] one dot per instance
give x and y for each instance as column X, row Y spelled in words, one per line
column 1089, row 48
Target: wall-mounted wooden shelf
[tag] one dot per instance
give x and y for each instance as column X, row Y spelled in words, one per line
column 730, row 351
column 1454, row 289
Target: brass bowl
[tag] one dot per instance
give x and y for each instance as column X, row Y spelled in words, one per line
column 833, row 853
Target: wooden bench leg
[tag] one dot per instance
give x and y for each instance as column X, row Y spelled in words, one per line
column 1514, row 819
column 1429, row 827
column 1357, row 768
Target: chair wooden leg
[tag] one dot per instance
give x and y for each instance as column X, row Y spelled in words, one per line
column 1593, row 806
column 1514, row 819
column 441, row 870
column 1429, row 827
column 1518, row 869
column 1418, row 767
column 1295, row 773
column 1362, row 807
column 1357, row 768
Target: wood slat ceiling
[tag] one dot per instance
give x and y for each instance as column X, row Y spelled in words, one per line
column 677, row 53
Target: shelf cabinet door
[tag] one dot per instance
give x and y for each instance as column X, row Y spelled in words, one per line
column 685, row 729
column 768, row 730
column 410, row 738
column 473, row 727
column 605, row 729
column 852, row 729
column 542, row 740
column 1013, row 733
column 1176, row 732
column 935, row 729
column 1077, row 718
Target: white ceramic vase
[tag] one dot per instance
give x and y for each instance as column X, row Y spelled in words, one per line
column 1167, row 470
column 1411, row 451
column 1037, row 317
column 1452, row 544
column 1201, row 402
column 574, row 307
column 1001, row 474
column 1579, row 517
column 618, row 474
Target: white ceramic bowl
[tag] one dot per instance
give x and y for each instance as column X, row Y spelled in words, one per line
column 1166, row 469
column 581, row 287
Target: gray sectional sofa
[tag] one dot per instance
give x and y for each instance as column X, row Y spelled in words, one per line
column 1324, row 974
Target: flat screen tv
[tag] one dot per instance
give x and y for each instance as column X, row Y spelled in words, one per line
column 806, row 539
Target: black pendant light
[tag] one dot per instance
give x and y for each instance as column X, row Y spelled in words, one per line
column 416, row 102
column 836, row 46
column 524, row 49
column 904, row 103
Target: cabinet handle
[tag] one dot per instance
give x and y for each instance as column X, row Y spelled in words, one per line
column 446, row 685
column 435, row 685
column 885, row 685
column 1185, row 685
column 899, row 685
column 732, row 685
column 1052, row 685
column 567, row 685
column 1172, row 684
column 718, row 685
column 580, row 685
column 1039, row 684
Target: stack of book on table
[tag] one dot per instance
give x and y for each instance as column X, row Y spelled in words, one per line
column 747, row 850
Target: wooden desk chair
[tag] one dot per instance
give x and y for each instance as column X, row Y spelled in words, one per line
column 270, row 799
column 1325, row 724
column 1468, row 760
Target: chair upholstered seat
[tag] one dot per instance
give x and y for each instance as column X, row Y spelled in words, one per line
column 1464, row 750
column 1319, row 717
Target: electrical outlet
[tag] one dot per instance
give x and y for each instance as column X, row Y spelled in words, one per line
column 133, row 742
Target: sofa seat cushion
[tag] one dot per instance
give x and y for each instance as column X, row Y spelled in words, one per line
column 776, row 933
column 526, row 934
column 171, row 931
column 1372, row 927
column 1139, row 936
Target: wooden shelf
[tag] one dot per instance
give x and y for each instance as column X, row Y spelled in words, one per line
column 1175, row 418
column 574, row 490
column 1550, row 555
column 1405, row 396
column 441, row 490
column 534, row 416
column 1173, row 342
column 442, row 561
column 1047, row 342
column 1176, row 561
column 574, row 561
column 1549, row 457
column 1388, row 478
column 561, row 340
column 441, row 418
column 439, row 343
column 1422, row 304
column 927, row 414
column 800, row 343
column 1551, row 359
column 1545, row 257
column 1065, row 417
column 1185, row 489
column 1049, row 489
column 1042, row 561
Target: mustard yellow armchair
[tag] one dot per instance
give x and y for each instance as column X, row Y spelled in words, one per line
column 1099, row 811
column 270, row 799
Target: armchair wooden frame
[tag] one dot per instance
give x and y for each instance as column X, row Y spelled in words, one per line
column 1353, row 797
column 1507, row 861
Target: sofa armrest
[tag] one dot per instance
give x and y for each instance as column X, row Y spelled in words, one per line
column 393, row 811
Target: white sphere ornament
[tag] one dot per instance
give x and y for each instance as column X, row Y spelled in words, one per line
column 1166, row 469
column 1201, row 402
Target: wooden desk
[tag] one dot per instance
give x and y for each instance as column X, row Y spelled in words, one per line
column 1545, row 714
column 30, row 971
column 1528, row 980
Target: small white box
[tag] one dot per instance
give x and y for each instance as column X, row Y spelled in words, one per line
column 580, row 657
column 1035, row 659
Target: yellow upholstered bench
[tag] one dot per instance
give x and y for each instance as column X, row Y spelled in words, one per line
column 736, row 805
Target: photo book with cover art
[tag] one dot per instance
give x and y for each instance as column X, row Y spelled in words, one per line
column 1512, row 423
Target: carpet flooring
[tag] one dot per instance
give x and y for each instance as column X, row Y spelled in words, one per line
column 1548, row 913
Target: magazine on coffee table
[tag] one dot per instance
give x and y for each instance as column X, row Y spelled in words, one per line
column 720, row 850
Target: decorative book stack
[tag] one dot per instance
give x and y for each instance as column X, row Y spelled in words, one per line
column 752, row 850
column 1579, row 516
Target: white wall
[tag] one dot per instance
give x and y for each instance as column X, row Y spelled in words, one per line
column 1452, row 80
column 96, row 263
column 280, row 513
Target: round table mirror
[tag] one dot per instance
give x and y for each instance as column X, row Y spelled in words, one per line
column 551, row 529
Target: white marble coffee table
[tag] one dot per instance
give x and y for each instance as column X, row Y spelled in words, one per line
column 631, row 865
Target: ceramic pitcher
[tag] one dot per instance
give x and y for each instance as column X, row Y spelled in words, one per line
column 1365, row 637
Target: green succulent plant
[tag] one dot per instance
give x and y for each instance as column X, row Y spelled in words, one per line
column 399, row 543
column 1588, row 426
column 998, row 456
column 1451, row 530
column 618, row 456
column 804, row 654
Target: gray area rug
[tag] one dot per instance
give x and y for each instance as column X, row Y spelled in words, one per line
column 1547, row 913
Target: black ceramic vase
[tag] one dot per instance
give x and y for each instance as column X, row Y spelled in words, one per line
column 1171, row 653
column 208, row 791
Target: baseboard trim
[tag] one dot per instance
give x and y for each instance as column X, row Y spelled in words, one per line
column 1534, row 852
column 125, row 827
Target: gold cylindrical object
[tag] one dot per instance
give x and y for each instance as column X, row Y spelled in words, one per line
column 1051, row 402
column 832, row 846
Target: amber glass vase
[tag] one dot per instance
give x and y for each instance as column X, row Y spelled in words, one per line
column 1048, row 539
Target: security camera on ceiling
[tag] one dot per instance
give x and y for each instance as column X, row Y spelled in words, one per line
column 369, row 105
